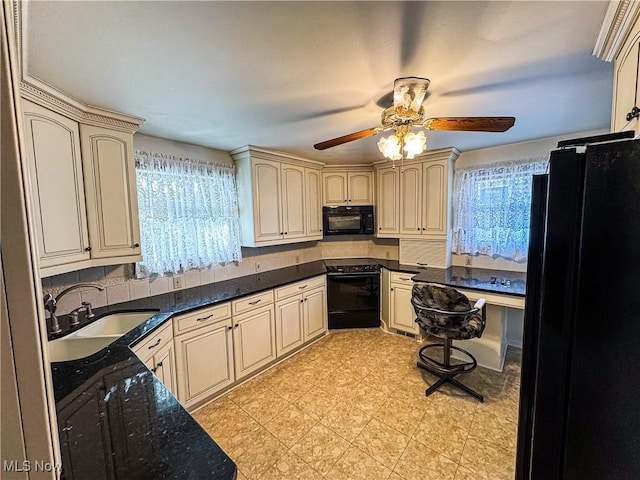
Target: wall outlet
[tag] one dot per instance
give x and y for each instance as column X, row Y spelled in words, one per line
column 257, row 266
column 297, row 259
column 387, row 254
column 178, row 282
column 468, row 261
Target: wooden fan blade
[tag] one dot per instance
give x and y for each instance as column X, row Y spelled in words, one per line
column 470, row 124
column 347, row 138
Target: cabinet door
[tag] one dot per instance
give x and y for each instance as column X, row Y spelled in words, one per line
column 360, row 188
column 402, row 313
column 334, row 189
column 411, row 200
column 625, row 93
column 435, row 194
column 313, row 189
column 204, row 362
column 164, row 366
column 55, row 167
column 293, row 201
column 266, row 200
column 254, row 340
column 289, row 329
column 388, row 202
column 315, row 313
column 110, row 186
column 83, row 459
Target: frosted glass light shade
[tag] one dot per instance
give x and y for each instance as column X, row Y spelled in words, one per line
column 390, row 147
column 414, row 143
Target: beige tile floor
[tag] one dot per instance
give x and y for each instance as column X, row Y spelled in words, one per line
column 352, row 406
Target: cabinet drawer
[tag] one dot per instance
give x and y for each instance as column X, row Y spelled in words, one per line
column 254, row 301
column 299, row 287
column 154, row 341
column 403, row 278
column 206, row 316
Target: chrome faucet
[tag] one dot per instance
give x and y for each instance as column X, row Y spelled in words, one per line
column 51, row 304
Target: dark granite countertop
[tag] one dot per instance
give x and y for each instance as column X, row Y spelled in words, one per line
column 117, row 420
column 110, row 402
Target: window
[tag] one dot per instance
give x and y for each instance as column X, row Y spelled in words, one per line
column 188, row 214
column 492, row 209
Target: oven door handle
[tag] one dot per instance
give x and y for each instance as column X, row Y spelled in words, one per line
column 354, row 275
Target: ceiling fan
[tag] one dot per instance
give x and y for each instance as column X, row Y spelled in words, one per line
column 407, row 112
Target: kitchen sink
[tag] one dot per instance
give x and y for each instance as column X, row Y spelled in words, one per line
column 115, row 324
column 72, row 348
column 95, row 336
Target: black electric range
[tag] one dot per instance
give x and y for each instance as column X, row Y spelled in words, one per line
column 353, row 293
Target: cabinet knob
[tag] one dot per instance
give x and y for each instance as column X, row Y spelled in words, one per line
column 87, row 249
column 281, row 233
column 418, row 228
column 634, row 113
column 349, row 199
column 236, row 325
column 286, row 233
column 345, row 199
column 391, row 289
column 136, row 245
column 301, row 300
column 423, row 228
column 229, row 328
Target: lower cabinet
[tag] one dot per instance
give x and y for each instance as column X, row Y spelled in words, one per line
column 254, row 340
column 157, row 353
column 200, row 353
column 401, row 313
column 301, row 313
column 204, row 361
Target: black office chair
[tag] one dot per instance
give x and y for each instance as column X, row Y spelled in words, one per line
column 446, row 313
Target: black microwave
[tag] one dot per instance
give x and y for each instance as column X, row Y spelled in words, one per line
column 348, row 220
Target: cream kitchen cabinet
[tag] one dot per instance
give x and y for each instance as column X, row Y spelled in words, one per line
column 300, row 313
column 57, row 190
column 157, row 352
column 415, row 200
column 278, row 199
column 110, row 188
column 425, row 201
column 619, row 42
column 626, row 92
column 254, row 340
column 388, row 201
column 347, row 187
column 401, row 312
column 204, row 353
column 83, row 191
column 313, row 202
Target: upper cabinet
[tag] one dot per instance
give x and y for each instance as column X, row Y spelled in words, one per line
column 342, row 187
column 279, row 197
column 110, row 187
column 619, row 41
column 414, row 201
column 83, row 191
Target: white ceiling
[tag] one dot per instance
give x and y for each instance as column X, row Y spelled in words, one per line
column 286, row 75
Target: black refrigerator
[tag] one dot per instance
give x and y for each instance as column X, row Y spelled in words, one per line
column 580, row 388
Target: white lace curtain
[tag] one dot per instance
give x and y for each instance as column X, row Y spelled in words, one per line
column 188, row 214
column 492, row 208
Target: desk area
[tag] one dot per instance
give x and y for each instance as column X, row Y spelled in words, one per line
column 504, row 292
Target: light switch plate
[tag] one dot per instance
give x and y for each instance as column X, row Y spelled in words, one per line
column 178, row 282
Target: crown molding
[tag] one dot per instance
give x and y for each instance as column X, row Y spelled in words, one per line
column 618, row 22
column 40, row 92
column 251, row 151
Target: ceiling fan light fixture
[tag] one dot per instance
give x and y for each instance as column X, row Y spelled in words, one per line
column 391, row 147
column 414, row 144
